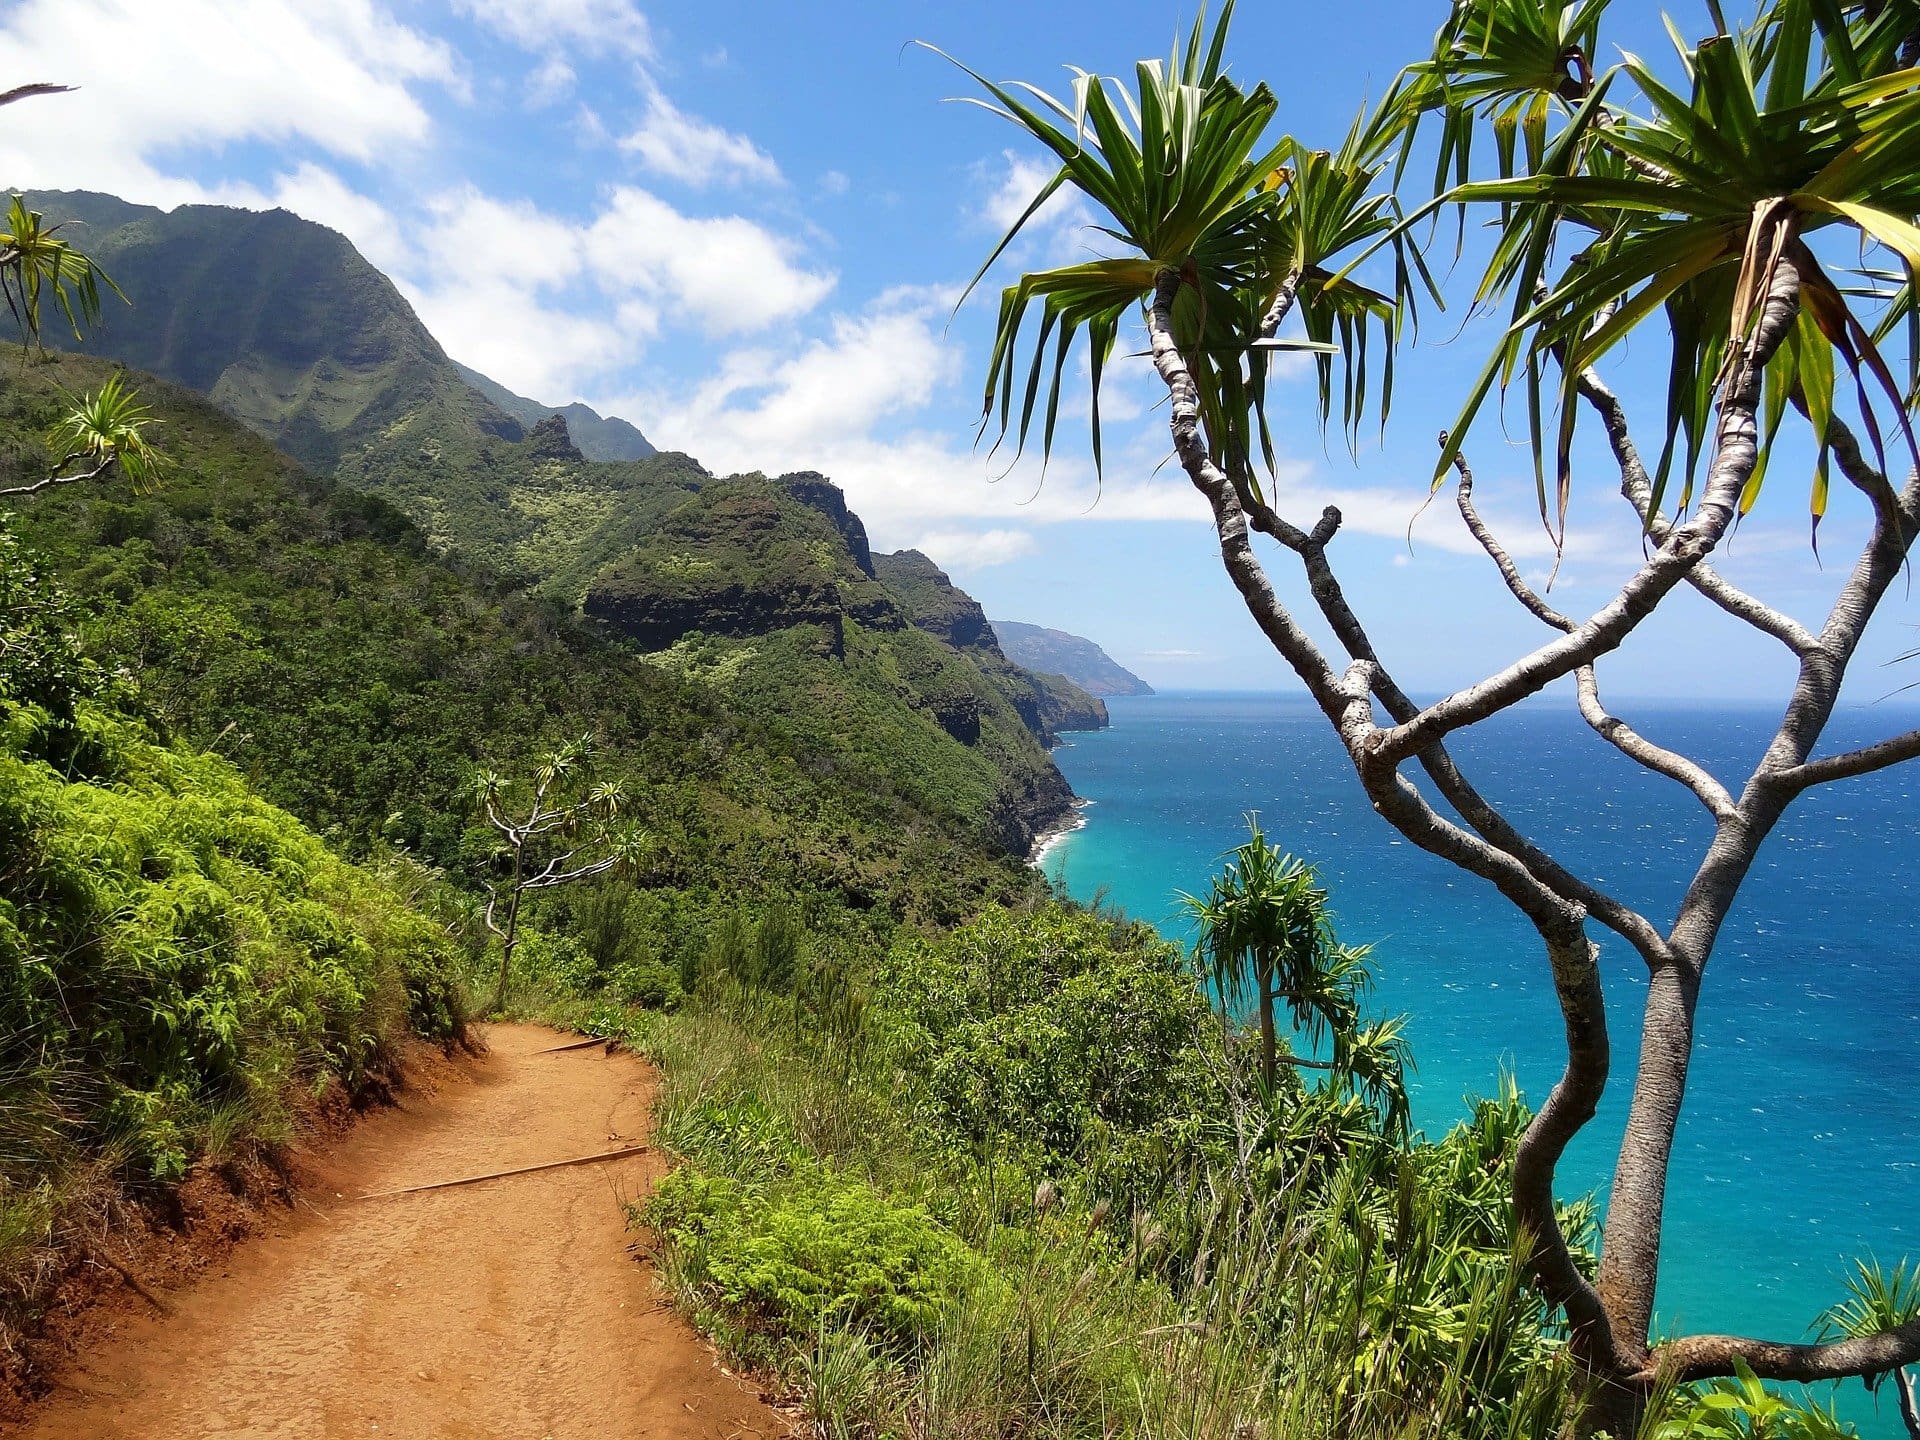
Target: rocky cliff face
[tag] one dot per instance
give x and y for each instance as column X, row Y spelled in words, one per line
column 814, row 490
column 1048, row 704
column 1058, row 653
column 278, row 320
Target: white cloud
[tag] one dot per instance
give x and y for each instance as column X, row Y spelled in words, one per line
column 550, row 82
column 974, row 549
column 1056, row 232
column 548, row 304
column 726, row 273
column 593, row 25
column 193, row 73
column 696, row 152
column 835, row 182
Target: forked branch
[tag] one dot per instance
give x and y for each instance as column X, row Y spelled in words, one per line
column 1622, row 736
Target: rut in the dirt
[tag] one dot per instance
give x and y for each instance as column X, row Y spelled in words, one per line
column 511, row 1308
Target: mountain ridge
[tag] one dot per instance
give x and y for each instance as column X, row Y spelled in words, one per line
column 1058, row 652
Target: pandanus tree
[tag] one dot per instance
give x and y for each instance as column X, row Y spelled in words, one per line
column 1713, row 216
column 556, row 827
column 1264, row 935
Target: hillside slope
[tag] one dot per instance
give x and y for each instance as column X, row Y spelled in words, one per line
column 349, row 381
column 1050, row 704
column 312, row 634
column 600, row 437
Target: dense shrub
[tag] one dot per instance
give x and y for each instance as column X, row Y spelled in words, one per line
column 167, row 938
column 1055, row 1029
column 817, row 1246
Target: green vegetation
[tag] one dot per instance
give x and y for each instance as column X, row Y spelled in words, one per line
column 1713, row 208
column 177, row 956
column 309, row 634
column 1035, row 1188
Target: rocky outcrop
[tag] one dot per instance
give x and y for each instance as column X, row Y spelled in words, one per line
column 550, row 440
column 815, row 491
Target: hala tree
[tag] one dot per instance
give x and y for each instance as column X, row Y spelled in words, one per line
column 1263, row 932
column 1708, row 216
column 102, row 432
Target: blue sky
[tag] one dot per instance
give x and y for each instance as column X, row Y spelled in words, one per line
column 743, row 226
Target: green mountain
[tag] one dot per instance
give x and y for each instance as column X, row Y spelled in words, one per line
column 600, row 437
column 1048, row 703
column 763, row 588
column 311, row 634
column 1055, row 652
column 276, row 319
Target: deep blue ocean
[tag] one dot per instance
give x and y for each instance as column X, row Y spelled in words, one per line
column 1800, row 1145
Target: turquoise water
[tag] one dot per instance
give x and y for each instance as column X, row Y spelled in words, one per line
column 1800, row 1145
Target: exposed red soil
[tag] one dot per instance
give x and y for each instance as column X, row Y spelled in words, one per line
column 516, row 1307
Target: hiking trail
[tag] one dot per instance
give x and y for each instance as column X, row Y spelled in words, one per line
column 509, row 1308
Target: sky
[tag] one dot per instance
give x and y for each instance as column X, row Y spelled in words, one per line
column 746, row 226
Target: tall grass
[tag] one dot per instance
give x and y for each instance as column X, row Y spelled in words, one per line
column 1254, row 1321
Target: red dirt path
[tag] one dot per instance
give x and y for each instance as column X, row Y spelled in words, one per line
column 507, row 1309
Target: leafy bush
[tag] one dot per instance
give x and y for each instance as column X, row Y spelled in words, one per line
column 1057, row 1029
column 819, row 1246
column 166, row 937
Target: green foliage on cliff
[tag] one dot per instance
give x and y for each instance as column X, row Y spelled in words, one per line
column 310, row 634
column 282, row 324
column 177, row 955
column 1047, row 703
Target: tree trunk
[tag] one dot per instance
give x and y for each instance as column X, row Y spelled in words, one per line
column 1269, row 1043
column 512, row 934
column 1909, row 1408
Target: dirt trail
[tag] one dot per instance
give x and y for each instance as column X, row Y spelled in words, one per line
column 507, row 1309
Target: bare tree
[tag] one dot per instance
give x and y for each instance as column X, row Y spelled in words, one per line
column 1613, row 213
column 555, row 829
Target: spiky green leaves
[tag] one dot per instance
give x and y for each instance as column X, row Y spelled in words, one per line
column 1790, row 127
column 37, row 262
column 1185, row 180
column 108, row 429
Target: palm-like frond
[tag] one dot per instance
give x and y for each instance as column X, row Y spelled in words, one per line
column 1878, row 1299
column 109, row 428
column 1794, row 125
column 1187, row 183
column 1509, row 64
column 35, row 261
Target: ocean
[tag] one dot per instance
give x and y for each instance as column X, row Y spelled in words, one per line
column 1800, row 1144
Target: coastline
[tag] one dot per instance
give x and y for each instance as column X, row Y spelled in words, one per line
column 1048, row 838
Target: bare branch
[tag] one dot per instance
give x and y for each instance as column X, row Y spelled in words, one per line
column 1629, row 742
column 1460, row 793
column 28, row 92
column 1735, row 453
column 1845, row 766
column 1610, row 728
column 1638, row 490
column 585, row 872
column 1509, row 572
column 1701, row 1357
column 1862, row 476
column 56, row 478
